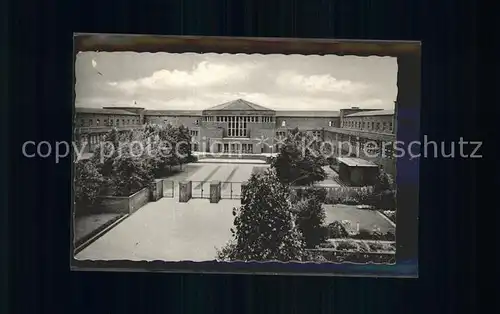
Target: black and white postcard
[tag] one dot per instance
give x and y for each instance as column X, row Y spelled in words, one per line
column 235, row 157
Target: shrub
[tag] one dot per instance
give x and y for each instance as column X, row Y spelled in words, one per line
column 385, row 191
column 296, row 164
column 381, row 247
column 227, row 252
column 87, row 182
column 111, row 147
column 310, row 219
column 337, row 230
column 389, row 236
column 349, row 196
column 363, row 234
column 192, row 158
column 264, row 225
column 315, row 257
column 130, row 174
column 376, row 246
column 391, row 214
column 346, row 246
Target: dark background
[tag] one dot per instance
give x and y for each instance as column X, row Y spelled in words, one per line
column 37, row 191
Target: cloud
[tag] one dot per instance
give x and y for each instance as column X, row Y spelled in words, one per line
column 204, row 74
column 317, row 83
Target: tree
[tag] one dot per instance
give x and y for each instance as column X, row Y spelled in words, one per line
column 299, row 160
column 264, row 225
column 105, row 154
column 310, row 218
column 383, row 182
column 337, row 231
column 384, row 191
column 88, row 181
column 130, row 174
column 183, row 144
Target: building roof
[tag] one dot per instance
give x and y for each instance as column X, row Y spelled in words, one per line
column 355, row 162
column 123, row 108
column 388, row 112
column 303, row 113
column 188, row 113
column 239, row 104
column 104, row 111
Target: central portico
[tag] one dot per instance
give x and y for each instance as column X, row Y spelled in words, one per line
column 238, row 126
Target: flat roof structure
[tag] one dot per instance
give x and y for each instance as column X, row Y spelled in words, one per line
column 356, row 162
column 378, row 112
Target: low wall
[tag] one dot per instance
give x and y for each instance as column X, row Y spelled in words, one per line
column 122, row 204
column 138, row 200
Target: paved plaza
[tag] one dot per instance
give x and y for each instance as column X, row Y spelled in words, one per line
column 167, row 230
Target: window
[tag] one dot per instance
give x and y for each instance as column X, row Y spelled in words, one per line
column 98, row 121
column 390, row 126
column 246, row 148
column 196, row 122
column 388, row 150
column 90, row 122
column 363, row 125
column 237, row 127
column 378, row 125
column 330, row 123
column 373, row 125
column 82, row 122
column 128, row 121
column 117, row 122
column 384, row 126
column 218, row 119
column 283, row 123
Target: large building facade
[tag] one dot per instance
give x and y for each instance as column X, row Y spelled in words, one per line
column 244, row 127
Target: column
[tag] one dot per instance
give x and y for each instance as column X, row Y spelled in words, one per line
column 185, row 191
column 215, row 191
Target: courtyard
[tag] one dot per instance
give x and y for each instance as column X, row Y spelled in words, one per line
column 173, row 231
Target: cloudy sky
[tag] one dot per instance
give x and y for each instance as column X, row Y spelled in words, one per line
column 199, row 81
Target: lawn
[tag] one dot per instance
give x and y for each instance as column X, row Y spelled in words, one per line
column 368, row 219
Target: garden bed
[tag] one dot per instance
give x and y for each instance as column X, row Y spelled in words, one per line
column 356, row 251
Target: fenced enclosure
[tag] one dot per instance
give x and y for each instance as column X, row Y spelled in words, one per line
column 228, row 190
column 231, row 190
column 200, row 189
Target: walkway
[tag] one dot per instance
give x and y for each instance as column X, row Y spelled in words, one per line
column 332, row 178
column 167, row 230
